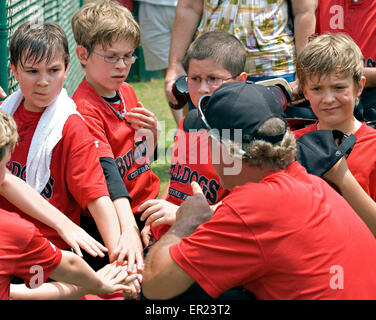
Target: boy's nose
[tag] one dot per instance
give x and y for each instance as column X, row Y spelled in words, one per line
column 120, row 64
column 43, row 81
column 328, row 97
column 204, row 88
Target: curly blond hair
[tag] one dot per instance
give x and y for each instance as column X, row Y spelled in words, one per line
column 263, row 154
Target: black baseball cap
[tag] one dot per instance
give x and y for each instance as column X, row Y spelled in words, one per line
column 319, row 150
column 237, row 105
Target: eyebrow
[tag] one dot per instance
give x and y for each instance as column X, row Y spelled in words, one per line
column 115, row 52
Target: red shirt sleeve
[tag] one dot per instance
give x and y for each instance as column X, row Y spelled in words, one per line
column 208, row 254
column 83, row 171
column 37, row 260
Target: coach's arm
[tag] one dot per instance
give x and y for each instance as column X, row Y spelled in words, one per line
column 163, row 278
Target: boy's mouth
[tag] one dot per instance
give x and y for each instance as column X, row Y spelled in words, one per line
column 331, row 110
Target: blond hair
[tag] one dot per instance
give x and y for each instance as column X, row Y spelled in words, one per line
column 330, row 53
column 8, row 134
column 102, row 22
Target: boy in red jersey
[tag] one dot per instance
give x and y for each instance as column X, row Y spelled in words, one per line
column 107, row 35
column 211, row 60
column 25, row 253
column 56, row 154
column 330, row 72
column 281, row 233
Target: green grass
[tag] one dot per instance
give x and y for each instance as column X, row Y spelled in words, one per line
column 152, row 96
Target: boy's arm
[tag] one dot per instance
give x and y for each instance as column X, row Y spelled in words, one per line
column 187, row 18
column 355, row 195
column 129, row 244
column 304, row 21
column 74, row 270
column 24, row 197
column 67, row 291
column 105, row 217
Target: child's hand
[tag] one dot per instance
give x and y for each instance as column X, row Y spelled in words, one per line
column 134, row 287
column 129, row 250
column 146, row 235
column 116, row 278
column 142, row 118
column 158, row 212
column 2, row 93
column 146, row 125
column 77, row 237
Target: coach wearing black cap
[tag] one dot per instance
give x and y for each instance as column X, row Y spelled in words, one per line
column 281, row 233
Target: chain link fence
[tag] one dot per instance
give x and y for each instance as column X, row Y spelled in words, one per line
column 15, row 12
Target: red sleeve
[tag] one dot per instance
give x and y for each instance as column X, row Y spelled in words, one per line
column 83, row 171
column 208, row 254
column 37, row 260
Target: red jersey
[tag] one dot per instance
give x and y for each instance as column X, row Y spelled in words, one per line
column 24, row 252
column 356, row 18
column 362, row 159
column 290, row 236
column 116, row 140
column 76, row 175
column 191, row 161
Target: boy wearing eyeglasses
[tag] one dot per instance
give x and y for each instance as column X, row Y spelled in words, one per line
column 126, row 133
column 211, row 60
column 56, row 154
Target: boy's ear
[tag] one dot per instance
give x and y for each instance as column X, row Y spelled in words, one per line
column 361, row 86
column 14, row 70
column 66, row 71
column 242, row 77
column 82, row 54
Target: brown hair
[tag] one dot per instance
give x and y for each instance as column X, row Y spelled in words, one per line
column 38, row 41
column 102, row 22
column 224, row 48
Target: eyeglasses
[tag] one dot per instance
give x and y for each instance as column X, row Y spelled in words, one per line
column 211, row 81
column 202, row 107
column 114, row 59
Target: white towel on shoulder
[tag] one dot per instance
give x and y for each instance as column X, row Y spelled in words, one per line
column 47, row 134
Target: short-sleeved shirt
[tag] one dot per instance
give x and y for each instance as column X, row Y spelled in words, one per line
column 116, row 140
column 355, row 18
column 76, row 175
column 191, row 161
column 362, row 159
column 24, row 253
column 290, row 236
column 263, row 28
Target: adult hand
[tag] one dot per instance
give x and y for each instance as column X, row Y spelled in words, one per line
column 194, row 211
column 158, row 212
column 172, row 74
